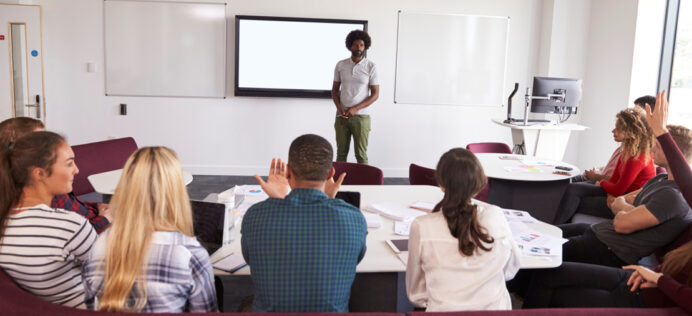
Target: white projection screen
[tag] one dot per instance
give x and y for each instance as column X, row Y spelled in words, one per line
column 289, row 57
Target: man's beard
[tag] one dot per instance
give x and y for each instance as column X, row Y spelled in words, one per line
column 357, row 53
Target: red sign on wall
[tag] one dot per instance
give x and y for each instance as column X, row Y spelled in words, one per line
column 2, row 37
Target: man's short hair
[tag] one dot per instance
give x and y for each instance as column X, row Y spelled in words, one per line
column 683, row 138
column 357, row 35
column 644, row 100
column 310, row 158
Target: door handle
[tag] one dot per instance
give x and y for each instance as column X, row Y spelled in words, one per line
column 36, row 105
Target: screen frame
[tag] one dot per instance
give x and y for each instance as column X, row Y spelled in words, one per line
column 288, row 93
column 551, row 107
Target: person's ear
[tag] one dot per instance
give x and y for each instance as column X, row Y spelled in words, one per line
column 289, row 173
column 331, row 174
column 38, row 174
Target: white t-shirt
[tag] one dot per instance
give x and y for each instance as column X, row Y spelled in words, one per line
column 356, row 80
column 441, row 278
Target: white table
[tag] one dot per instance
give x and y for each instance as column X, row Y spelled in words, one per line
column 379, row 257
column 538, row 193
column 106, row 182
column 495, row 166
column 542, row 139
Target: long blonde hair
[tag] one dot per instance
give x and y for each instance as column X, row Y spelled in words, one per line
column 638, row 138
column 151, row 196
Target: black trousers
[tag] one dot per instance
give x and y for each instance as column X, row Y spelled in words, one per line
column 581, row 285
column 583, row 198
column 583, row 246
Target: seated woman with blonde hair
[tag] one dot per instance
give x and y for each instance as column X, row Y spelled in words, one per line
column 149, row 259
column 461, row 255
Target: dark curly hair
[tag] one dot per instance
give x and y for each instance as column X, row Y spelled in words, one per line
column 357, row 35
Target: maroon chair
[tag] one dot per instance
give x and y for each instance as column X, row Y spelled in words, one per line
column 98, row 157
column 419, row 175
column 498, row 148
column 683, row 238
column 358, row 173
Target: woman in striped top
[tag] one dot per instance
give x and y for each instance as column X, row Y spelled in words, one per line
column 149, row 259
column 42, row 248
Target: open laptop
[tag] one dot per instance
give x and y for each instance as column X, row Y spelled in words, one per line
column 208, row 221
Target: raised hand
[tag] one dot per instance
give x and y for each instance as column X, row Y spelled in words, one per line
column 276, row 185
column 331, row 187
column 658, row 118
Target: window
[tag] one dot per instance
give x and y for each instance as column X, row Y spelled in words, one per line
column 678, row 45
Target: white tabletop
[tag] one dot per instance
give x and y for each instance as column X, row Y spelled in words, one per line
column 549, row 125
column 379, row 257
column 106, row 182
column 523, row 168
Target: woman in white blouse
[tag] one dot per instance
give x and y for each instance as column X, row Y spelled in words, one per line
column 461, row 255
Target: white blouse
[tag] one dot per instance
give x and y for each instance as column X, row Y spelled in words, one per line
column 440, row 278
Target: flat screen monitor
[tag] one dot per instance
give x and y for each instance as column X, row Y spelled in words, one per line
column 544, row 86
column 289, row 57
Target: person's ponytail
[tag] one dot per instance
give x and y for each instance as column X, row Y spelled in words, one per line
column 460, row 174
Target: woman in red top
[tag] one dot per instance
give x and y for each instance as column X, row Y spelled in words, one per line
column 669, row 284
column 634, row 168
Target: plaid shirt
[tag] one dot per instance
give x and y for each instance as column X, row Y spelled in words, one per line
column 178, row 275
column 303, row 251
column 90, row 210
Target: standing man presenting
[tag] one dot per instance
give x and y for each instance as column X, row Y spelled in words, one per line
column 355, row 88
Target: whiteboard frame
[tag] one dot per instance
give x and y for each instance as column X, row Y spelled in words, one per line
column 396, row 63
column 225, row 51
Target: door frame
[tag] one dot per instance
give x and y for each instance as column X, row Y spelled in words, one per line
column 26, row 49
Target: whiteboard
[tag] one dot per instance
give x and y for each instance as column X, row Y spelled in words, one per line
column 165, row 48
column 450, row 59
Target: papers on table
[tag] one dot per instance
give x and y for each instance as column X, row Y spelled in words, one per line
column 523, row 169
column 373, row 220
column 537, row 163
column 402, row 228
column 248, row 195
column 394, row 211
column 518, row 216
column 423, row 206
column 533, row 242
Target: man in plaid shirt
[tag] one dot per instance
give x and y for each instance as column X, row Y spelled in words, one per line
column 303, row 247
column 96, row 213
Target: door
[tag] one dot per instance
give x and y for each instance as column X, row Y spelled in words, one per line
column 21, row 62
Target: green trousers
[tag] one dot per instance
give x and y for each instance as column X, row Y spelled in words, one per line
column 359, row 127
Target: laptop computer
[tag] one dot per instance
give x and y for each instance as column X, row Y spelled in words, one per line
column 208, row 222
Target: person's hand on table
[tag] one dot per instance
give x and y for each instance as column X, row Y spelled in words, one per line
column 331, row 187
column 642, row 277
column 659, row 116
column 276, row 185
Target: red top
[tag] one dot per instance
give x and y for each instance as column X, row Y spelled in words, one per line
column 630, row 175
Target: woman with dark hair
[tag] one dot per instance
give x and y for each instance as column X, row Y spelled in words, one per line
column 461, row 255
column 41, row 247
column 97, row 213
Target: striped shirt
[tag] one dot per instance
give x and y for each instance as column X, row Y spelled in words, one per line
column 179, row 275
column 42, row 250
column 303, row 251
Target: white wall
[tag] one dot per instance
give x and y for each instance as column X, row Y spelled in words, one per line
column 607, row 77
column 239, row 135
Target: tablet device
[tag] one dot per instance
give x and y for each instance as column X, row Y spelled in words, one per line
column 398, row 245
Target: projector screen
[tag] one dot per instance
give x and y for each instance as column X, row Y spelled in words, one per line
column 289, row 57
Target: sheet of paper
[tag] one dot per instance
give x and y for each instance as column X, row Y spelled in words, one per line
column 523, row 169
column 423, row 206
column 537, row 163
column 402, row 228
column 394, row 211
column 518, row 216
column 373, row 220
column 535, row 243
